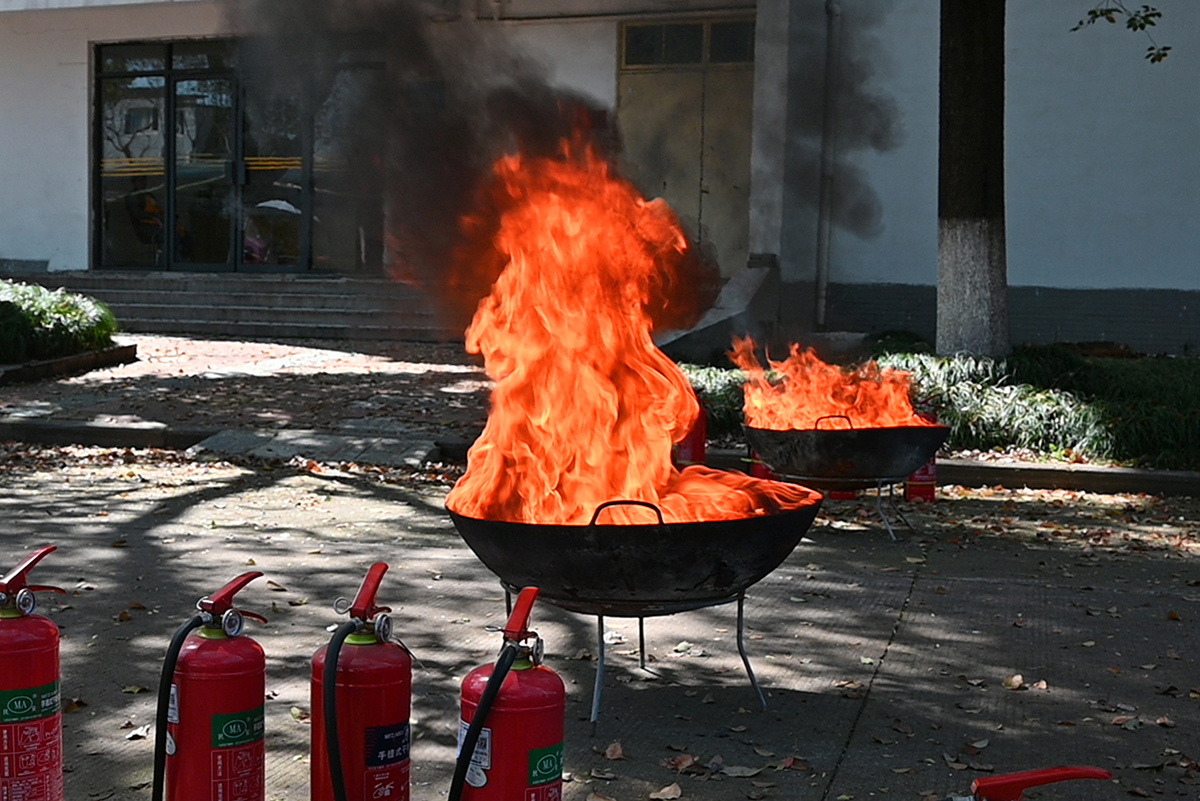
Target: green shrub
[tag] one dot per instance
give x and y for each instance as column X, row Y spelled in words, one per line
column 720, row 390
column 38, row 323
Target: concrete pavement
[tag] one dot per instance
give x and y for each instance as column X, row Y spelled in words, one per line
column 884, row 663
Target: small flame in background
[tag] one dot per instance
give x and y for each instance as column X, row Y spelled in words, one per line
column 586, row 408
column 806, row 389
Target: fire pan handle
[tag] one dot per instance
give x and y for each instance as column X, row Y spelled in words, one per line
column 849, row 422
column 606, row 504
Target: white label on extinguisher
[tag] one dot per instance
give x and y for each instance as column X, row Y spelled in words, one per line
column 170, row 745
column 481, row 760
column 173, row 706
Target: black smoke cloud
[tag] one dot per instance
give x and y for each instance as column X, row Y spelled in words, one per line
column 414, row 105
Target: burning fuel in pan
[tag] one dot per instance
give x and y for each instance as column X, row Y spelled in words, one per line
column 586, row 409
column 831, row 427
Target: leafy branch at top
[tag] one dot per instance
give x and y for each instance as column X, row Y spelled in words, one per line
column 1140, row 20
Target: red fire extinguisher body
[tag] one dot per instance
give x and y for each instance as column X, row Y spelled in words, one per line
column 215, row 746
column 30, row 712
column 374, row 705
column 520, row 750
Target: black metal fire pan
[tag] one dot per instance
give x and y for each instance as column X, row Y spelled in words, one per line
column 636, row 570
column 846, row 458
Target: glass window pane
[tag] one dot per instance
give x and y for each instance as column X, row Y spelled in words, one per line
column 271, row 195
column 347, row 222
column 133, row 58
column 204, row 180
column 731, row 42
column 208, row 54
column 683, row 44
column 643, row 44
column 132, row 179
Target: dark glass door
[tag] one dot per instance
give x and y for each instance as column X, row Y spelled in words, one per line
column 194, row 172
column 205, row 169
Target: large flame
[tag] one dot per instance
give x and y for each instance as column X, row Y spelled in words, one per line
column 807, row 393
column 586, row 408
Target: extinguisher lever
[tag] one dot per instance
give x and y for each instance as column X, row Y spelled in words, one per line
column 221, row 601
column 363, row 606
column 15, row 579
column 46, row 588
column 516, row 629
column 253, row 616
column 1010, row 786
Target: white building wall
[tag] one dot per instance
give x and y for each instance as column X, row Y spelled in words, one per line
column 1103, row 167
column 1103, row 171
column 45, row 118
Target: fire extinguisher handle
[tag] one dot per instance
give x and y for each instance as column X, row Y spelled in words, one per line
column 15, row 579
column 46, row 588
column 517, row 627
column 253, row 616
column 221, row 601
column 363, row 606
column 1010, row 786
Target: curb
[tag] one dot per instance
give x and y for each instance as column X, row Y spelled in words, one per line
column 1084, row 478
column 1107, row 480
column 68, row 365
column 105, row 435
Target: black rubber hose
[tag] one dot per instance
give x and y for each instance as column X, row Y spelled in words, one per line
column 164, row 704
column 333, row 745
column 508, row 655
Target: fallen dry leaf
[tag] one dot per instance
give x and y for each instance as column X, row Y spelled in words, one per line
column 598, row 797
column 140, row 733
column 133, row 689
column 677, row 764
column 614, row 751
column 300, row 714
column 740, row 771
column 1014, row 682
column 669, row 792
column 603, row 775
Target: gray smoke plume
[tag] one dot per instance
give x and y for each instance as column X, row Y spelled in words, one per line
column 865, row 118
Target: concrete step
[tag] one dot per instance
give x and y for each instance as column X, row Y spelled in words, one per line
column 324, row 305
column 234, row 311
column 314, row 329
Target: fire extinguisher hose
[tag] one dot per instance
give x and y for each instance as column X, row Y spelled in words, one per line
column 508, row 655
column 333, row 745
column 164, row 704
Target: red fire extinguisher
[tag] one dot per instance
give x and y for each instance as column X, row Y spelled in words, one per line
column 361, row 705
column 510, row 738
column 30, row 712
column 208, row 737
column 1011, row 786
column 693, row 448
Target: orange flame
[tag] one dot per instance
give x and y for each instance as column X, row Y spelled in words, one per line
column 811, row 394
column 586, row 408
